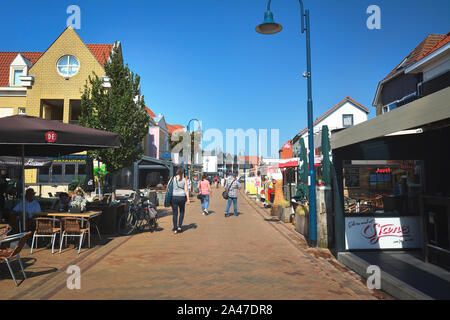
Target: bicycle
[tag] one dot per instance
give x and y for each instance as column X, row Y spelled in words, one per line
column 140, row 214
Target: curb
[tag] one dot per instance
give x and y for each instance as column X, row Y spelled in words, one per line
column 391, row 285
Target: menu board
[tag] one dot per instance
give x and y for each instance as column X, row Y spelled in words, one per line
column 351, row 175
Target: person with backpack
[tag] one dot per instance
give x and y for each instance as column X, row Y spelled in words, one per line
column 232, row 186
column 179, row 198
column 204, row 188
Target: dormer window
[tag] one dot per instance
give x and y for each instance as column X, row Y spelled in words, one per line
column 68, row 66
column 17, row 73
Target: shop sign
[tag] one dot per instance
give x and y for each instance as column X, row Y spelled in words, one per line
column 382, row 233
column 386, row 170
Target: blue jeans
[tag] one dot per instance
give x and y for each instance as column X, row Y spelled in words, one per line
column 205, row 202
column 178, row 203
column 234, row 200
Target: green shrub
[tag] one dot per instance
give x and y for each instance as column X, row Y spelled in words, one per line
column 302, row 209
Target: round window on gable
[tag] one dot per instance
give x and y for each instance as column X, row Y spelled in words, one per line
column 68, row 66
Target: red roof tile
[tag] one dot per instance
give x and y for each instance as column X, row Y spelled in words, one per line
column 423, row 49
column 150, row 112
column 438, row 45
column 174, row 127
column 333, row 109
column 100, row 51
column 6, row 57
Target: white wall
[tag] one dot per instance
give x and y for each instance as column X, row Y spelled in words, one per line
column 334, row 120
column 6, row 112
column 209, row 163
column 437, row 68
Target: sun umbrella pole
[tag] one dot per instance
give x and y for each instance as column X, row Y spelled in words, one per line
column 23, row 187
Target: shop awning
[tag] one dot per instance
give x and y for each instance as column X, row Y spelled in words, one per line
column 432, row 108
column 293, row 162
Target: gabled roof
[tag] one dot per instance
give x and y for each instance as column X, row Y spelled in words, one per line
column 100, row 51
column 340, row 104
column 430, row 44
column 150, row 112
column 7, row 57
column 441, row 43
column 171, row 127
column 174, row 127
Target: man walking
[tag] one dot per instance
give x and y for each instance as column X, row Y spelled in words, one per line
column 232, row 186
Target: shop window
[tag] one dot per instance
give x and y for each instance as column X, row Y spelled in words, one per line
column 69, row 173
column 347, row 120
column 391, row 186
column 44, row 175
column 81, row 171
column 57, row 173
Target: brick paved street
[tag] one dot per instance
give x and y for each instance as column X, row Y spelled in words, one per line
column 246, row 257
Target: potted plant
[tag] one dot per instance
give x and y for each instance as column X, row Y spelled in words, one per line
column 302, row 219
column 78, row 204
column 284, row 211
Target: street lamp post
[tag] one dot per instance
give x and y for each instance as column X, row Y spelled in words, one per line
column 189, row 155
column 270, row 27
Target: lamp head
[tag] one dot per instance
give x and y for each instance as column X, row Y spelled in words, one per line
column 268, row 26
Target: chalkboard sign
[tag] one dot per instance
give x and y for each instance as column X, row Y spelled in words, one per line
column 351, row 175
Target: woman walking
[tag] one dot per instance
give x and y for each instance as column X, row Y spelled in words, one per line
column 204, row 188
column 180, row 197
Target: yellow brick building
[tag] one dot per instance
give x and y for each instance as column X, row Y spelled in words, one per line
column 49, row 84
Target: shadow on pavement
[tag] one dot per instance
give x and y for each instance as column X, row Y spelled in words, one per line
column 190, row 226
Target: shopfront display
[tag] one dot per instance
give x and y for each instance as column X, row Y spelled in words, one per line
column 379, row 187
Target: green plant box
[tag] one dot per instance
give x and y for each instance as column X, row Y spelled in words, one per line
column 284, row 214
column 302, row 224
column 274, row 210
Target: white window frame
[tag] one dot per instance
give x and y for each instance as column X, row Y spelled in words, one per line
column 343, row 117
column 68, row 65
column 13, row 77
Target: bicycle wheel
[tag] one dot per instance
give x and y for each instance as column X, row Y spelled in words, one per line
column 127, row 223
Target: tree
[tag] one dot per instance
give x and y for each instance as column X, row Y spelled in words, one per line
column 120, row 109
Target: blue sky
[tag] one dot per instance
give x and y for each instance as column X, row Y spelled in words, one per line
column 203, row 59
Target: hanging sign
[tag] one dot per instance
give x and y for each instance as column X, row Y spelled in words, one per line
column 382, row 233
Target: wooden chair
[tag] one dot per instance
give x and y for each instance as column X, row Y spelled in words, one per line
column 4, row 230
column 71, row 228
column 45, row 229
column 9, row 255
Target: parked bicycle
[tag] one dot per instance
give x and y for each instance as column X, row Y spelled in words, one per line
column 139, row 214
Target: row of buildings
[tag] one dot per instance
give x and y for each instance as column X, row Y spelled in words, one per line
column 49, row 85
column 390, row 190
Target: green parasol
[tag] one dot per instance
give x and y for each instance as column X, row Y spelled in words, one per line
column 326, row 159
column 302, row 173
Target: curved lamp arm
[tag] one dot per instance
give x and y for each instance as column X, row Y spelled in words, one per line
column 302, row 14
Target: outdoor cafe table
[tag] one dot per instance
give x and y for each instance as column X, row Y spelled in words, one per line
column 85, row 215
